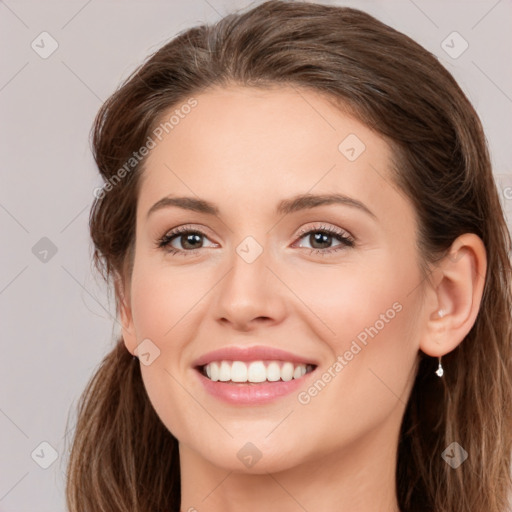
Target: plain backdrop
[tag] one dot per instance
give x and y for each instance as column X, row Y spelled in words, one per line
column 56, row 319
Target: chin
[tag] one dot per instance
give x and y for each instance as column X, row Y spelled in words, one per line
column 252, row 457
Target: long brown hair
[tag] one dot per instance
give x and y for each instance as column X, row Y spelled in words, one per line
column 122, row 457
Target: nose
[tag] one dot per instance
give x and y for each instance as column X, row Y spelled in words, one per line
column 250, row 295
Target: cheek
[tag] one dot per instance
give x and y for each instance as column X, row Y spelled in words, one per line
column 162, row 305
column 349, row 301
column 161, row 300
column 372, row 313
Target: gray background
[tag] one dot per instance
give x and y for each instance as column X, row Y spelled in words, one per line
column 56, row 316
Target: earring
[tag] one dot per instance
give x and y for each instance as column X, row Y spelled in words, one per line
column 440, row 371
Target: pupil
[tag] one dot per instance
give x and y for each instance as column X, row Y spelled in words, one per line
column 321, row 238
column 190, row 237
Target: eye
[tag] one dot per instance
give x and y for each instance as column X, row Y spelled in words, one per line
column 190, row 240
column 324, row 235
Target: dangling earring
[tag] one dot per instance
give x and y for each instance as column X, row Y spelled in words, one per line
column 440, row 371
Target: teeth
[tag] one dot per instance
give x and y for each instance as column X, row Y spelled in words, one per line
column 273, row 372
column 225, row 371
column 287, row 371
column 255, row 371
column 214, row 371
column 238, row 371
column 297, row 373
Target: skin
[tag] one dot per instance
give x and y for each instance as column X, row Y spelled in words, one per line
column 245, row 149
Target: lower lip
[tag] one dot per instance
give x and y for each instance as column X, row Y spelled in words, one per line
column 248, row 393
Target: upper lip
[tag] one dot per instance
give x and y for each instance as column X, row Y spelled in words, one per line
column 255, row 353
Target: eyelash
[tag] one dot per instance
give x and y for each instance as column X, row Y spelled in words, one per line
column 346, row 241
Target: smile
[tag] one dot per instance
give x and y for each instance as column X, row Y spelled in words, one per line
column 252, row 375
column 255, row 371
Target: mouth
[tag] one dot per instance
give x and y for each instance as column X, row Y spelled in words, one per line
column 254, row 372
column 255, row 375
column 253, row 383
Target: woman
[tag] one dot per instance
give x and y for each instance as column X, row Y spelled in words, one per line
column 312, row 274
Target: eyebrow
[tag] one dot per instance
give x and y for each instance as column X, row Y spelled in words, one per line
column 284, row 207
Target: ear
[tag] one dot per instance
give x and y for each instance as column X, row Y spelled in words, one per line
column 457, row 291
column 125, row 313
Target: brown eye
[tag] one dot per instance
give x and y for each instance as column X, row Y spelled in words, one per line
column 321, row 239
column 188, row 239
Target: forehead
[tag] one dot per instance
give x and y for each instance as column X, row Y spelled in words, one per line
column 253, row 145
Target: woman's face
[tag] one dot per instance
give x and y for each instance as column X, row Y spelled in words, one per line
column 333, row 286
